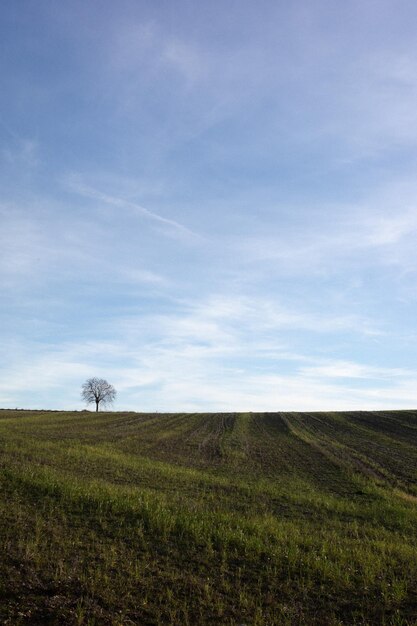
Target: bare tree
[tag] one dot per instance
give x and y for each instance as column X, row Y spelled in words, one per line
column 98, row 390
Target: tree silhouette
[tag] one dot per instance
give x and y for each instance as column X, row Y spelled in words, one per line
column 99, row 391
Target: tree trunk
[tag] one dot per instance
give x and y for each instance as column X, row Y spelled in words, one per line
column 96, row 406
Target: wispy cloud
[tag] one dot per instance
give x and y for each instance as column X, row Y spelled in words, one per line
column 163, row 379
column 223, row 353
column 21, row 152
column 172, row 226
column 378, row 230
column 351, row 370
column 40, row 247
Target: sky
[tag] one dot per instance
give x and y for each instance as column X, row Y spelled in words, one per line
column 212, row 205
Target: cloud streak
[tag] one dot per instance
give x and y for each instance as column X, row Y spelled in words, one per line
column 133, row 207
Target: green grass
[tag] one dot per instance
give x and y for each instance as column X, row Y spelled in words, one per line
column 188, row 519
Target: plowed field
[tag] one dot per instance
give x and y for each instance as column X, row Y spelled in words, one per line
column 224, row 519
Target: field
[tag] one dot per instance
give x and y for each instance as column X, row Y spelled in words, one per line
column 193, row 519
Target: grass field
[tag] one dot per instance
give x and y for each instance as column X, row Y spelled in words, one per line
column 189, row 519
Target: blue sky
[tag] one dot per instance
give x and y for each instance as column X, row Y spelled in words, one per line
column 211, row 204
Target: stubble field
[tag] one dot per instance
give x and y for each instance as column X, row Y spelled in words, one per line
column 192, row 519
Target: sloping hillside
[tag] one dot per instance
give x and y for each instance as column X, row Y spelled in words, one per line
column 256, row 519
